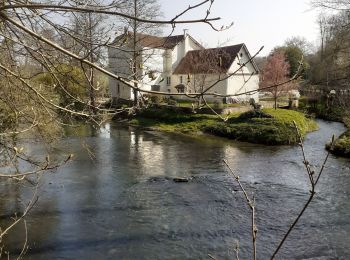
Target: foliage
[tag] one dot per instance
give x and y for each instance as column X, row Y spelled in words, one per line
column 255, row 113
column 217, row 104
column 7, row 117
column 318, row 108
column 172, row 102
column 294, row 55
column 69, row 83
column 342, row 145
column 330, row 64
column 156, row 99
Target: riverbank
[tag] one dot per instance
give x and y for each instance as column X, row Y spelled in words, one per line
column 335, row 113
column 342, row 143
column 271, row 127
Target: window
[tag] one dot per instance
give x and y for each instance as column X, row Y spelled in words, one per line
column 168, row 81
column 181, row 80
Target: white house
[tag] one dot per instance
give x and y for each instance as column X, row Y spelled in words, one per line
column 179, row 63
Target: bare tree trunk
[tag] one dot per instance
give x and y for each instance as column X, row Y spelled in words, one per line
column 275, row 97
column 92, row 74
column 135, row 56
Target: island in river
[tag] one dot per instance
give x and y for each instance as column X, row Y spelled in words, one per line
column 267, row 126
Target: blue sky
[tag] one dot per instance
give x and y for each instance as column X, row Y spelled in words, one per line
column 256, row 22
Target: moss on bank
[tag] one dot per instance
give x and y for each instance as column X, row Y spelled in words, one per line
column 278, row 129
column 342, row 144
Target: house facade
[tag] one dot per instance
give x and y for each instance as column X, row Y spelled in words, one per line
column 179, row 64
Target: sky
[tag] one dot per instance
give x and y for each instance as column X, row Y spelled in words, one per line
column 257, row 23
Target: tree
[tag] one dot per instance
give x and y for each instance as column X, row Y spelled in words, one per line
column 90, row 31
column 35, row 35
column 300, row 42
column 296, row 52
column 275, row 71
column 28, row 107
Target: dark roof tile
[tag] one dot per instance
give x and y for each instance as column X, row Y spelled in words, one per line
column 208, row 61
column 150, row 41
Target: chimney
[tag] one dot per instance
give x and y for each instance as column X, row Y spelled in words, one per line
column 186, row 45
column 185, row 32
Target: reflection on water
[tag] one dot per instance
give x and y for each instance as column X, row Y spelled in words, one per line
column 117, row 199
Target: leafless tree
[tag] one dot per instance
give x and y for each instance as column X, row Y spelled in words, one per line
column 42, row 59
column 36, row 35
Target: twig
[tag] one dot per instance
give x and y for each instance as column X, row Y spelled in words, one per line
column 313, row 183
column 25, row 247
column 63, row 8
column 46, row 167
column 27, row 209
column 251, row 204
column 236, row 249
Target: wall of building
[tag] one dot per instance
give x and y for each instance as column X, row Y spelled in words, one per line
column 240, row 84
column 242, row 58
column 200, row 82
column 120, row 64
column 119, row 90
column 243, row 80
column 119, row 61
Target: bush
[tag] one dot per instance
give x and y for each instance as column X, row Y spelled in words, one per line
column 256, row 113
column 155, row 99
column 73, row 81
column 172, row 102
column 217, row 104
column 342, row 145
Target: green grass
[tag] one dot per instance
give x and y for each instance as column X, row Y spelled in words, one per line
column 276, row 130
column 272, row 131
column 188, row 103
column 342, row 144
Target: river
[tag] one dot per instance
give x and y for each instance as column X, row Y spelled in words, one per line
column 118, row 200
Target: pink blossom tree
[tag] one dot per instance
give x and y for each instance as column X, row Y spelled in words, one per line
column 274, row 72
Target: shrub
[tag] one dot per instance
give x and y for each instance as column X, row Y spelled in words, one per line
column 256, row 113
column 155, row 99
column 217, row 104
column 342, row 145
column 172, row 102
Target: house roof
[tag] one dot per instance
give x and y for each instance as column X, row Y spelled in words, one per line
column 208, row 61
column 150, row 41
column 159, row 42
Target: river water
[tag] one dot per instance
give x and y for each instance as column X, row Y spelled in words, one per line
column 118, row 200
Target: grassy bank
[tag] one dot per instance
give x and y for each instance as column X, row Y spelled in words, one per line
column 271, row 127
column 342, row 144
column 337, row 113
